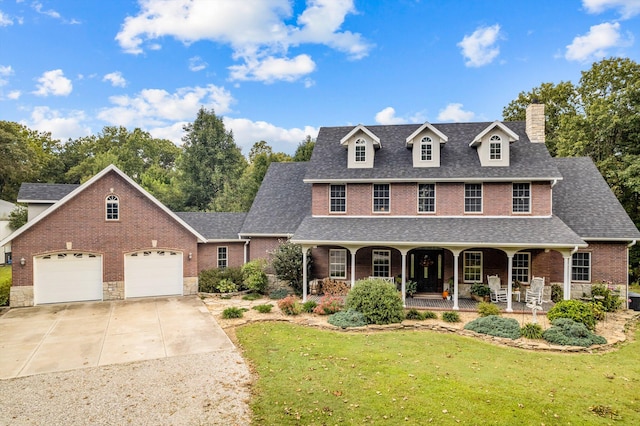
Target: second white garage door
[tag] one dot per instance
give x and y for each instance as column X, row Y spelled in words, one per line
column 67, row 277
column 152, row 273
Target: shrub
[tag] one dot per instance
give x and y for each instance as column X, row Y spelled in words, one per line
column 309, row 306
column 429, row 315
column 252, row 296
column 377, row 300
column 290, row 305
column 287, row 263
column 556, row 293
column 5, row 287
column 255, row 278
column 450, row 317
column 233, row 312
column 531, row 331
column 329, row 305
column 485, row 309
column 348, row 318
column 567, row 332
column 414, row 314
column 209, row 280
column 227, row 286
column 494, row 325
column 598, row 311
column 480, row 290
column 575, row 310
column 263, row 309
column 609, row 301
column 280, row 293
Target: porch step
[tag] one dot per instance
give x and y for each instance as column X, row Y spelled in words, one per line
column 431, row 296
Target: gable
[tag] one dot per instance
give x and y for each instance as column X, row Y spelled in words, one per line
column 493, row 145
column 361, row 145
column 425, row 144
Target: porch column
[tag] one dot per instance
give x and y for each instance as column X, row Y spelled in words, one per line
column 510, row 282
column 305, row 279
column 353, row 266
column 403, row 287
column 456, row 254
column 566, row 290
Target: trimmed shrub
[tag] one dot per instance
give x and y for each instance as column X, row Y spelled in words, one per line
column 609, row 301
column 485, row 309
column 309, row 306
column 531, row 331
column 263, row 309
column 429, row 315
column 280, row 293
column 377, row 300
column 450, row 316
column 290, row 305
column 567, row 332
column 556, row 293
column 5, row 287
column 209, row 279
column 227, row 286
column 414, row 314
column 348, row 318
column 329, row 305
column 494, row 325
column 255, row 278
column 233, row 312
column 598, row 311
column 575, row 310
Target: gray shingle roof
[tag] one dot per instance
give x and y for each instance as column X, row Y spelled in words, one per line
column 48, row 192
column 281, row 203
column 478, row 231
column 458, row 160
column 584, row 201
column 215, row 226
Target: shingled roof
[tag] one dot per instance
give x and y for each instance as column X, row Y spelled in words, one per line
column 215, row 226
column 44, row 192
column 459, row 161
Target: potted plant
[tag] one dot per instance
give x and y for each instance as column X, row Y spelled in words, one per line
column 480, row 292
column 411, row 287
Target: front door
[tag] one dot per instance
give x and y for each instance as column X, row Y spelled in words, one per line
column 427, row 270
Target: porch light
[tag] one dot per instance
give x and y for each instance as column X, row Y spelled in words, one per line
column 23, row 261
column 190, row 255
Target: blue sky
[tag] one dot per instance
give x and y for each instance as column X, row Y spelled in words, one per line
column 278, row 70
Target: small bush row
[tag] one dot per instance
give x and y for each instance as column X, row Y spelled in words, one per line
column 228, row 280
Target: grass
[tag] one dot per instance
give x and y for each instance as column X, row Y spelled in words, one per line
column 635, row 288
column 315, row 377
column 5, row 284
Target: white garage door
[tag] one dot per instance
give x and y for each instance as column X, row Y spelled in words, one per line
column 67, row 277
column 153, row 273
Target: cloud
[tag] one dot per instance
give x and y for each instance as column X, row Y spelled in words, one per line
column 115, row 78
column 5, row 20
column 247, row 132
column 627, row 8
column 60, row 126
column 53, row 83
column 197, row 64
column 455, row 113
column 479, row 48
column 388, row 116
column 14, row 95
column 5, row 71
column 596, row 42
column 258, row 31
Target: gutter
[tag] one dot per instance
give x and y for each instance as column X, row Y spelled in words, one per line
column 633, row 243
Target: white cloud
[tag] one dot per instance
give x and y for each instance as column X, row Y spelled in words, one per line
column 115, row 78
column 14, row 95
column 247, row 132
column 53, row 83
column 51, row 13
column 480, row 47
column 159, row 108
column 60, row 126
column 388, row 116
column 455, row 113
column 596, row 42
column 5, row 20
column 627, row 8
column 197, row 64
column 5, row 71
column 256, row 30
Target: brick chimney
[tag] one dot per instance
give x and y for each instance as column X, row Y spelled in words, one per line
column 535, row 122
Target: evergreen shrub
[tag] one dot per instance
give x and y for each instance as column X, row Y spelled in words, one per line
column 575, row 310
column 531, row 331
column 377, row 300
column 348, row 318
column 567, row 332
column 494, row 325
column 450, row 316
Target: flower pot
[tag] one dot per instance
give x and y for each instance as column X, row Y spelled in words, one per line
column 445, row 294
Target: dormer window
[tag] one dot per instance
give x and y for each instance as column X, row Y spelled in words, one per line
column 493, row 143
column 426, row 149
column 426, row 144
column 112, row 207
column 495, row 148
column 360, row 151
column 361, row 144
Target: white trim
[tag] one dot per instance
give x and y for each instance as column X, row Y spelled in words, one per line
column 589, row 267
column 343, row 250
column 510, row 134
column 360, row 127
column 528, row 254
column 530, row 199
column 373, row 196
column 466, row 216
column 464, row 254
column 388, row 252
column 409, row 140
column 225, row 240
column 431, row 213
column 226, row 254
column 438, row 179
column 443, row 244
column 345, row 198
column 249, row 236
column 464, row 199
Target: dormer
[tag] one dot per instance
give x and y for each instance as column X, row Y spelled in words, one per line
column 425, row 144
column 361, row 144
column 493, row 145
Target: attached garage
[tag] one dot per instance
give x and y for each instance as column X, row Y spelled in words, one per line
column 67, row 277
column 153, row 273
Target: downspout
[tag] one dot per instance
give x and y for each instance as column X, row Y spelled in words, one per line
column 633, row 243
column 553, row 183
column 246, row 248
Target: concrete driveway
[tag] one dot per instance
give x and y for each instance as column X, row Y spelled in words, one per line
column 60, row 337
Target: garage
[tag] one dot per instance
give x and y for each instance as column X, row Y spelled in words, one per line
column 67, row 277
column 153, row 273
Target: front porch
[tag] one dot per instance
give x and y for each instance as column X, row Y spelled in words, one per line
column 468, row 305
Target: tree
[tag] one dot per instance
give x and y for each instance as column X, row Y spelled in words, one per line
column 210, row 160
column 304, row 150
column 18, row 217
column 287, row 263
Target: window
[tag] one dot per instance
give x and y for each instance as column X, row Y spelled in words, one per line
column 338, row 263
column 581, row 267
column 361, row 151
column 473, row 266
column 473, row 198
column 426, row 197
column 495, row 148
column 520, row 270
column 426, row 149
column 381, row 263
column 222, row 257
column 338, row 198
column 521, row 198
column 113, row 207
column 381, row 197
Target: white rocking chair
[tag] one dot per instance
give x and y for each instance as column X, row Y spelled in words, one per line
column 498, row 293
column 534, row 292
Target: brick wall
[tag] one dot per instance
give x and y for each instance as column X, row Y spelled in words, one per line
column 208, row 254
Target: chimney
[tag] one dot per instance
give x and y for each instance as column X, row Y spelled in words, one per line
column 535, row 122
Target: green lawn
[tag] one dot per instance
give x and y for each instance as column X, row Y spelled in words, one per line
column 5, row 284
column 315, row 377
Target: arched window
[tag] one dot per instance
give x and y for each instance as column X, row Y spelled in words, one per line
column 361, row 150
column 426, row 149
column 112, row 208
column 495, row 148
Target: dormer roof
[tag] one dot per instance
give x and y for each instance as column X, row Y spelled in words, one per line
column 510, row 133
column 443, row 138
column 360, row 128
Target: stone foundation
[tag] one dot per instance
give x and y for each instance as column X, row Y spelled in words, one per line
column 190, row 285
column 21, row 296
column 113, row 290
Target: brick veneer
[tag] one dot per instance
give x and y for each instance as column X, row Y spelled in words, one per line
column 208, row 254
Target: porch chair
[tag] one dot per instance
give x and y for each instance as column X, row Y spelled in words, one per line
column 498, row 294
column 534, row 292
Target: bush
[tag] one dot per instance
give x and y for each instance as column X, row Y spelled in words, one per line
column 290, row 305
column 348, row 318
column 209, row 280
column 429, row 315
column 287, row 263
column 252, row 296
column 263, row 309
column 609, row 301
column 567, row 332
column 233, row 312
column 556, row 293
column 598, row 311
column 414, row 314
column 450, row 317
column 309, row 306
column 485, row 309
column 480, row 290
column 575, row 310
column 227, row 286
column 5, row 286
column 255, row 278
column 531, row 331
column 280, row 293
column 329, row 305
column 494, row 325
column 377, row 300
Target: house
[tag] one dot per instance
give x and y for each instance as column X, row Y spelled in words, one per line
column 443, row 205
column 5, row 230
